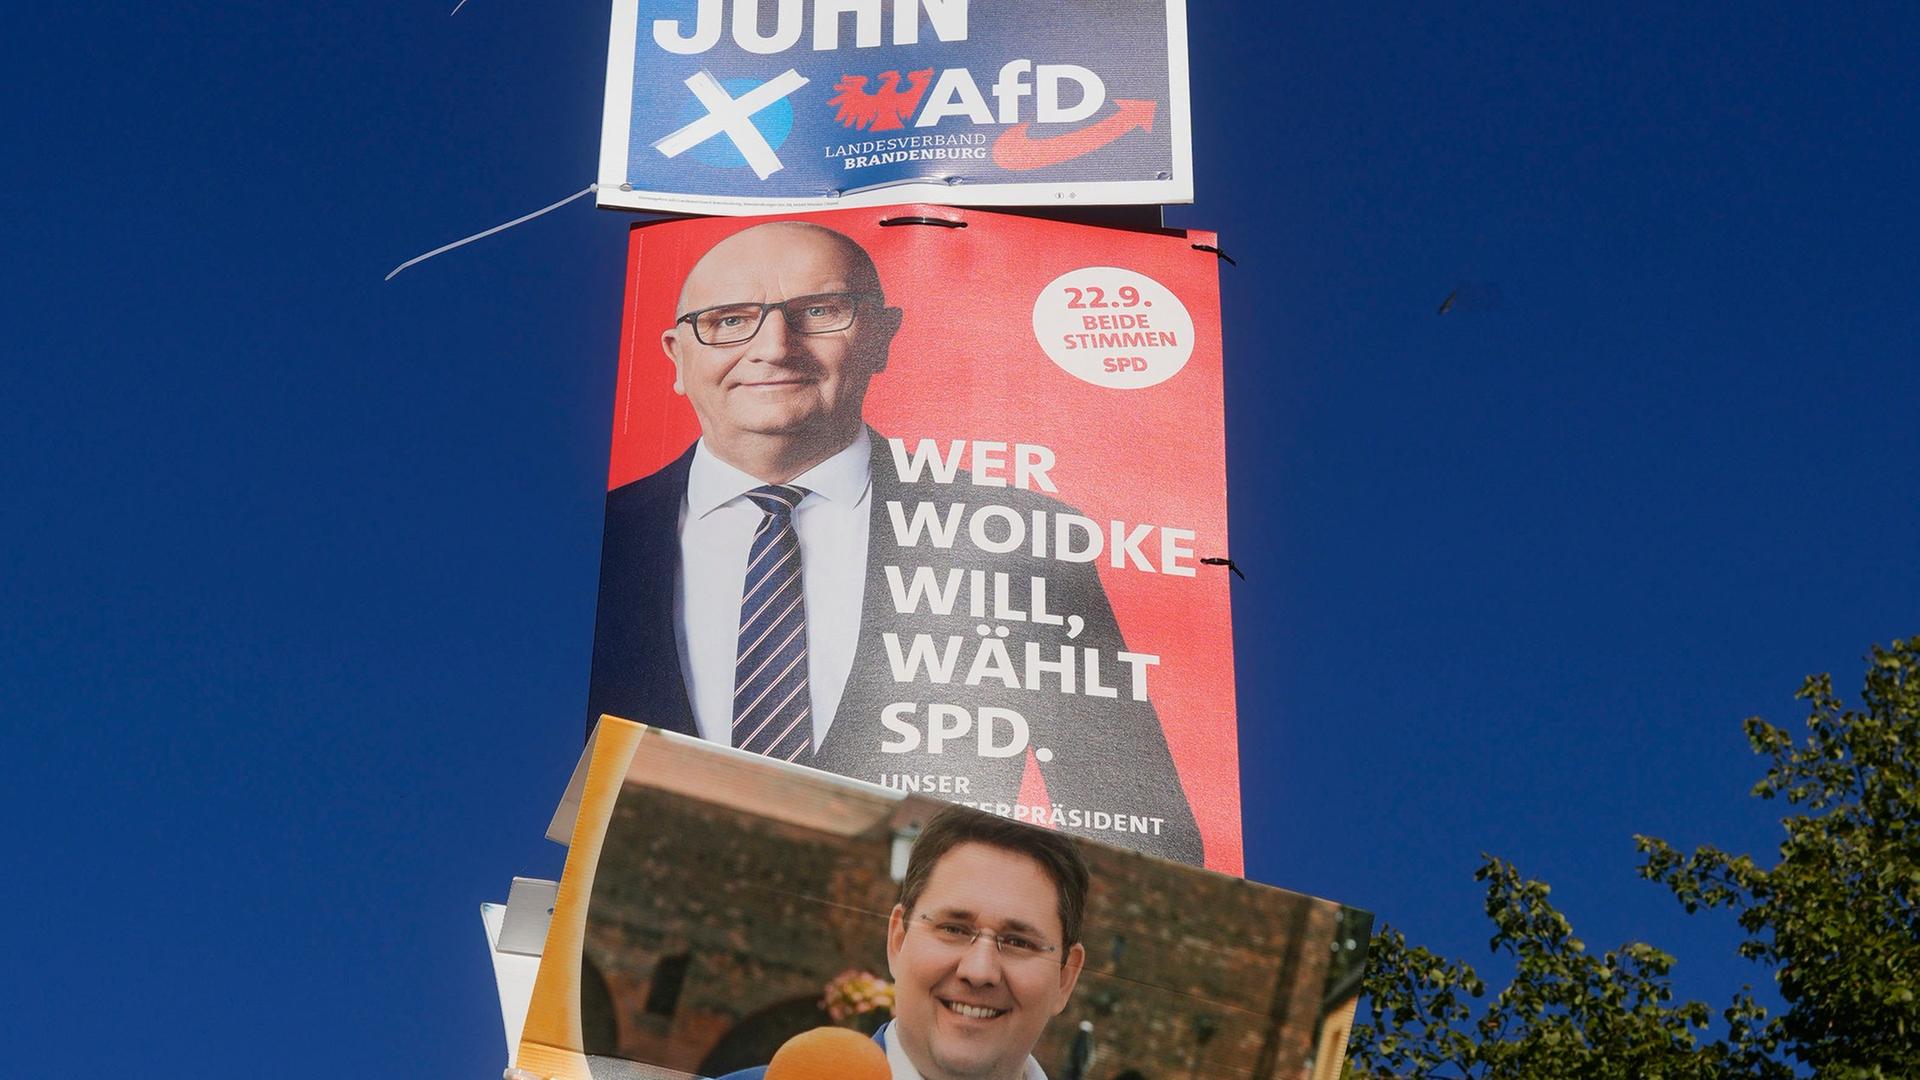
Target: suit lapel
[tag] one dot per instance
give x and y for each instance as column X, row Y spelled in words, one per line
column 664, row 642
column 858, row 699
column 640, row 566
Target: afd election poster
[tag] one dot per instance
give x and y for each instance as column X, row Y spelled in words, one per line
column 925, row 497
column 725, row 915
column 767, row 106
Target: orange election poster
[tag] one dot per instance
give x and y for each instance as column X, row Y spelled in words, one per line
column 922, row 496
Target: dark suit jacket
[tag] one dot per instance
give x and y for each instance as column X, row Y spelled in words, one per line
column 1109, row 754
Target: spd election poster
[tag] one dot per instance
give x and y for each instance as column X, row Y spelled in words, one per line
column 768, row 106
column 921, row 496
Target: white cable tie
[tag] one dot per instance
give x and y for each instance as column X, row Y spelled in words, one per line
column 588, row 190
column 456, row 8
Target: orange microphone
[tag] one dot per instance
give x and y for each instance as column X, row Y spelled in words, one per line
column 829, row 1053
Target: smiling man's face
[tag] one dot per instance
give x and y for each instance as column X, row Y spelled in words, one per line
column 780, row 393
column 967, row 1012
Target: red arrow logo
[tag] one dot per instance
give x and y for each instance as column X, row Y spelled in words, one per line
column 1014, row 151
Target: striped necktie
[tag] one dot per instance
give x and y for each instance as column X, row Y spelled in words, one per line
column 772, row 710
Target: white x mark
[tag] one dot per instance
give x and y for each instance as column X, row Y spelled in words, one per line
column 734, row 116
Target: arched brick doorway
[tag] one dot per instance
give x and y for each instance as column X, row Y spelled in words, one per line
column 753, row 1040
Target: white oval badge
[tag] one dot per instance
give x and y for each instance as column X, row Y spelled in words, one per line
column 1113, row 327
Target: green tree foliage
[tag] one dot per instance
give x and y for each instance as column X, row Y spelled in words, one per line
column 1566, row 1013
column 1836, row 917
column 1835, row 920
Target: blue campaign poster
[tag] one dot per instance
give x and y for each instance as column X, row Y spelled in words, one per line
column 751, row 106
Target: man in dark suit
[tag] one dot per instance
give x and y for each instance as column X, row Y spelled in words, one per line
column 751, row 591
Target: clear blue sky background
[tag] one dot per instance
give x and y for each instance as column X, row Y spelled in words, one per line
column 299, row 566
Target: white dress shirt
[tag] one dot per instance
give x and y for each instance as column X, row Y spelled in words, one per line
column 903, row 1066
column 717, row 523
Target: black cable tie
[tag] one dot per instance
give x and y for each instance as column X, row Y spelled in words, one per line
column 941, row 222
column 1202, row 247
column 1228, row 563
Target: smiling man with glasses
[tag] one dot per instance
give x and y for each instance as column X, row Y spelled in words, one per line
column 984, row 948
column 782, row 326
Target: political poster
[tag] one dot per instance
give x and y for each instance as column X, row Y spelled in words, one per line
column 935, row 499
column 723, row 914
column 770, row 106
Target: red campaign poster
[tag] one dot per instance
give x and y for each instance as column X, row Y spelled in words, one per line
column 922, row 496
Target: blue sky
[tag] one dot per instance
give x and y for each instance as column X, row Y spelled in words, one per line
column 294, row 637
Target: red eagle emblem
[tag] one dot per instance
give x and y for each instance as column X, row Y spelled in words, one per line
column 883, row 109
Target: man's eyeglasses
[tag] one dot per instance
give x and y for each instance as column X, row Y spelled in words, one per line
column 731, row 324
column 959, row 935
